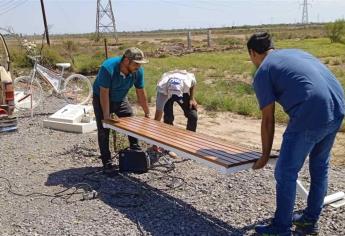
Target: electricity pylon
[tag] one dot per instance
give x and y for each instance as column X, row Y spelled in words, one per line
column 105, row 20
column 305, row 15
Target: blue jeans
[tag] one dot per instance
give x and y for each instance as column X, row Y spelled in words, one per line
column 296, row 146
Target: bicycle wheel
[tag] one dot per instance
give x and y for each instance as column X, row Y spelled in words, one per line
column 27, row 93
column 77, row 89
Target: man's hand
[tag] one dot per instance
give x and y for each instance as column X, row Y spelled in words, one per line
column 193, row 103
column 260, row 163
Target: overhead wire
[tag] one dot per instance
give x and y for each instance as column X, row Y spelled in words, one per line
column 6, row 4
column 12, row 7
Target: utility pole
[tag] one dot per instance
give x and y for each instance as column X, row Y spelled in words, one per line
column 305, row 15
column 105, row 20
column 45, row 23
column 209, row 38
column 189, row 40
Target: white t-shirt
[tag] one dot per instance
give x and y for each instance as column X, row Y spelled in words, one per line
column 173, row 82
column 176, row 82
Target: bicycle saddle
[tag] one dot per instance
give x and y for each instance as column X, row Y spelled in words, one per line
column 64, row 65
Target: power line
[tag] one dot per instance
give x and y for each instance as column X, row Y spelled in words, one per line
column 13, row 6
column 6, row 4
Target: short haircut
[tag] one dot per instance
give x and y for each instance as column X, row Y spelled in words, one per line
column 260, row 42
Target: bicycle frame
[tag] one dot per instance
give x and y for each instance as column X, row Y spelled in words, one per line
column 75, row 89
column 52, row 78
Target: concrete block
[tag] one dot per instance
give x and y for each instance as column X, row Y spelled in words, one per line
column 69, row 127
column 72, row 118
column 71, row 113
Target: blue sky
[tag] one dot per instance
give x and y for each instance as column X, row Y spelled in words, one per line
column 79, row 16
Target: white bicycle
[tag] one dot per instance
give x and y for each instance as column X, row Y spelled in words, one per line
column 75, row 89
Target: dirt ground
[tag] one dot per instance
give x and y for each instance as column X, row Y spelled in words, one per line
column 45, row 174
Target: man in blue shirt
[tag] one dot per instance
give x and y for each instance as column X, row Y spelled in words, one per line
column 115, row 77
column 314, row 101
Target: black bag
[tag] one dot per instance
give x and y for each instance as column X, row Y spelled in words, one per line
column 136, row 161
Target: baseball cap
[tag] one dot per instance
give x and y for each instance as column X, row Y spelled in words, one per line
column 136, row 55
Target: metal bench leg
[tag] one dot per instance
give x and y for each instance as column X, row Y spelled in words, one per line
column 335, row 200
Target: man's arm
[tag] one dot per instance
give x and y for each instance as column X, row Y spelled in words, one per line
column 267, row 135
column 142, row 100
column 192, row 101
column 104, row 100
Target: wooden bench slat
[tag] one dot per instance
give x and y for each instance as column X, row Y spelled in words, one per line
column 198, row 141
column 193, row 145
column 204, row 154
column 203, row 137
column 168, row 140
column 200, row 144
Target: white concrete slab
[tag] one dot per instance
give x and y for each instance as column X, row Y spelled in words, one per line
column 71, row 113
column 69, row 127
column 72, row 118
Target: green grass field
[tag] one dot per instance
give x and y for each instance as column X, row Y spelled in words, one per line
column 224, row 76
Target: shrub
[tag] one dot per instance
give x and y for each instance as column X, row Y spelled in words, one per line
column 336, row 62
column 88, row 64
column 70, row 46
column 326, row 61
column 50, row 57
column 335, row 31
column 242, row 88
column 228, row 41
column 19, row 56
column 20, row 59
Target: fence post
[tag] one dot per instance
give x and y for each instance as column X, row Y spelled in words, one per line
column 209, row 38
column 189, row 40
column 106, row 48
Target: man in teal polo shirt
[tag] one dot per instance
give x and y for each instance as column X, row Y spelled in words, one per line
column 115, row 77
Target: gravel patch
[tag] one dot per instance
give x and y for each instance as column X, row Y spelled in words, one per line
column 175, row 198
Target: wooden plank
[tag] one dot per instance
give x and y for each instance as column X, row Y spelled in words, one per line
column 197, row 143
column 222, row 168
column 205, row 137
column 188, row 149
column 211, row 142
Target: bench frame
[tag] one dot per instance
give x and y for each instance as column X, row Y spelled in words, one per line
column 335, row 200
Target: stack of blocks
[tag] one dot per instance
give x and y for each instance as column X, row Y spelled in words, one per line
column 8, row 122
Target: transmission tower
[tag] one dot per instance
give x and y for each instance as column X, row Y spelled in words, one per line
column 305, row 16
column 105, row 20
